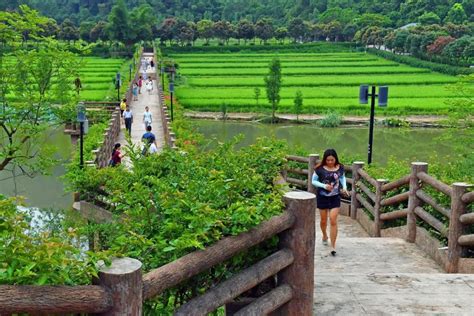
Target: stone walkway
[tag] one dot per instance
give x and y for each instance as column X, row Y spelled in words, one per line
column 138, row 107
column 384, row 276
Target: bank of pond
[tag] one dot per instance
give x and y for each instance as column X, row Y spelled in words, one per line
column 403, row 144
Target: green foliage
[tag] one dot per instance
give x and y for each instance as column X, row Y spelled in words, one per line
column 41, row 257
column 331, row 119
column 273, row 84
column 415, row 62
column 298, row 103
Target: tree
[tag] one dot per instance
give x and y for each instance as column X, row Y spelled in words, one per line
column 186, row 33
column 273, row 85
column 264, row 29
column 349, row 32
column 85, row 30
column 456, row 50
column 456, row 14
column 280, row 34
column 119, row 23
column 98, row 32
column 68, row 31
column 205, row 29
column 296, row 29
column 223, row 31
column 168, row 30
column 429, row 18
column 439, row 44
column 333, row 30
column 36, row 96
column 256, row 94
column 245, row 30
column 298, row 104
column 372, row 19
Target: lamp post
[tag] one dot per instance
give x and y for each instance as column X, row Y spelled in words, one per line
column 363, row 99
column 117, row 85
column 162, row 74
column 130, row 73
column 81, row 118
column 171, row 94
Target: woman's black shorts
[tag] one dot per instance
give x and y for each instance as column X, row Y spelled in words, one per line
column 328, row 202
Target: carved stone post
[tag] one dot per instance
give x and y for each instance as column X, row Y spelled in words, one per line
column 356, row 165
column 124, row 281
column 413, row 200
column 456, row 228
column 300, row 240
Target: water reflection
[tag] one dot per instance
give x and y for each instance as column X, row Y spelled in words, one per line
column 401, row 143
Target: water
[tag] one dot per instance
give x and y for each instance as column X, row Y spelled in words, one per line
column 402, row 143
column 43, row 191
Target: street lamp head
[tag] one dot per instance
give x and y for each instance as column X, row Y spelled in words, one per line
column 383, row 96
column 364, row 94
column 81, row 112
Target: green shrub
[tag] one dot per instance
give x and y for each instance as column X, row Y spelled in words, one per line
column 331, row 119
column 415, row 62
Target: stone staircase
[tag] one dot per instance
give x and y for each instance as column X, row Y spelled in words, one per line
column 384, row 276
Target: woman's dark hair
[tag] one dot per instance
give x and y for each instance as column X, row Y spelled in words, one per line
column 116, row 146
column 327, row 153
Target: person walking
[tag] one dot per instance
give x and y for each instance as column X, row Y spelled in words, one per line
column 140, row 84
column 328, row 178
column 147, row 117
column 149, row 86
column 128, row 117
column 116, row 158
column 148, row 140
column 135, row 91
column 152, row 64
column 123, row 106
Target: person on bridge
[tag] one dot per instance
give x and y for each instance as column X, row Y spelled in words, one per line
column 147, row 118
column 149, row 137
column 135, row 91
column 140, row 84
column 123, row 106
column 128, row 117
column 149, row 86
column 328, row 178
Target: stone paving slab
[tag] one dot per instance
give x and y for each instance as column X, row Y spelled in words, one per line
column 138, row 108
column 384, row 276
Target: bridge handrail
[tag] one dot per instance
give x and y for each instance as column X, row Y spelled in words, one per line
column 122, row 289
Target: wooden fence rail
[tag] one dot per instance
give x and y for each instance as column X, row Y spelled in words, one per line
column 121, row 289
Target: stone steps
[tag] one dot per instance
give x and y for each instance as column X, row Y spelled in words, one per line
column 384, row 276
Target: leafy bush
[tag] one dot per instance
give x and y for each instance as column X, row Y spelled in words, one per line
column 41, row 257
column 331, row 119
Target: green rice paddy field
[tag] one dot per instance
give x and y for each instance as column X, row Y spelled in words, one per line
column 327, row 81
column 96, row 76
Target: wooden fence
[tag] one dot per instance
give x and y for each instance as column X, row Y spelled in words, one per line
column 121, row 289
column 404, row 198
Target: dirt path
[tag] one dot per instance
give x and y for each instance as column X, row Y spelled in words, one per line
column 414, row 120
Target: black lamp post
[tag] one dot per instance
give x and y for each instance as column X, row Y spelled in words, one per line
column 162, row 73
column 117, row 85
column 81, row 118
column 171, row 94
column 130, row 73
column 363, row 99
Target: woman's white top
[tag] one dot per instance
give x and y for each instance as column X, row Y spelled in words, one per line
column 147, row 116
column 149, row 85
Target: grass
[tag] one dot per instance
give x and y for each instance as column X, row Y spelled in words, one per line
column 328, row 81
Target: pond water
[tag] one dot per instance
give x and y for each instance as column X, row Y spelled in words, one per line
column 44, row 191
column 402, row 143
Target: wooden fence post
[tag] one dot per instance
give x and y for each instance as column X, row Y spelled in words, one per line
column 300, row 240
column 413, row 200
column 313, row 158
column 123, row 279
column 377, row 206
column 456, row 228
column 356, row 165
